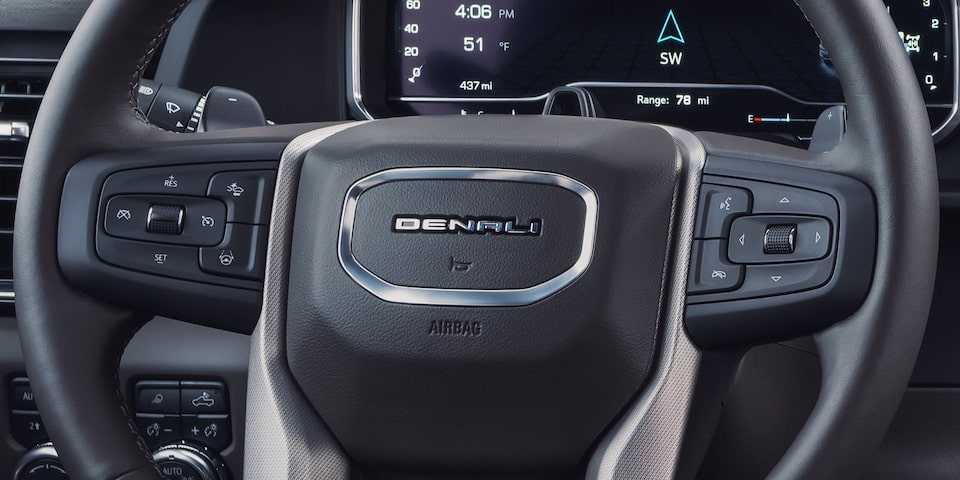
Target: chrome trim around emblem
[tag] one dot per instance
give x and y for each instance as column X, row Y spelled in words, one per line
column 460, row 297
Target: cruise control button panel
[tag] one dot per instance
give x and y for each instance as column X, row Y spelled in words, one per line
column 166, row 219
column 204, row 223
column 138, row 228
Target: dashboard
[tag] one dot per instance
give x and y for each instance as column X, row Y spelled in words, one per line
column 740, row 66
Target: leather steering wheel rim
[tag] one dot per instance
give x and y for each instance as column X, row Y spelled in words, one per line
column 72, row 342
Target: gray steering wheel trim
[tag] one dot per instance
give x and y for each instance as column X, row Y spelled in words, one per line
column 886, row 147
column 73, row 342
column 285, row 438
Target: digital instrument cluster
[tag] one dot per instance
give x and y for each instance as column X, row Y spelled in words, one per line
column 739, row 66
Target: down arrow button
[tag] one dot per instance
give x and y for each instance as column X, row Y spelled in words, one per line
column 770, row 280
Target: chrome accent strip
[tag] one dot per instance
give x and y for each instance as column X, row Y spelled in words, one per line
column 21, row 96
column 950, row 124
column 51, row 61
column 461, row 297
column 646, row 442
column 189, row 455
column 353, row 53
column 41, row 452
column 19, row 130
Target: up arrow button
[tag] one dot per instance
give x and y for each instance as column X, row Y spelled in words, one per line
column 770, row 199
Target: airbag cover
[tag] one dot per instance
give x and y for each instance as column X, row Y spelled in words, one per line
column 477, row 385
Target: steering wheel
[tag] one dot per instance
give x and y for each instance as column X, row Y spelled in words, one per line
column 485, row 295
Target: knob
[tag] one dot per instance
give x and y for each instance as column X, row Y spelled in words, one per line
column 780, row 240
column 183, row 461
column 40, row 463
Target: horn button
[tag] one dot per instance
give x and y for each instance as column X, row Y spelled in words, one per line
column 467, row 236
column 473, row 297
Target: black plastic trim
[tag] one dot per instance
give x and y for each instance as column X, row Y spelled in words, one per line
column 738, row 322
column 235, row 307
column 179, row 45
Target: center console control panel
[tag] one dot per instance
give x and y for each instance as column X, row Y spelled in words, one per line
column 187, row 424
column 26, row 426
column 170, row 411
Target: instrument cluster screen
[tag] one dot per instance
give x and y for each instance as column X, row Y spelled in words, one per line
column 695, row 63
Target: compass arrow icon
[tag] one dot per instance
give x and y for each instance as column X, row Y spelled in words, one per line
column 671, row 29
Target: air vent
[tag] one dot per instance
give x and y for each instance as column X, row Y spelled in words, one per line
column 22, row 85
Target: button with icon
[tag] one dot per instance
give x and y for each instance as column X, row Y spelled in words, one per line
column 158, row 397
column 158, row 429
column 172, row 108
column 248, row 194
column 709, row 269
column 240, row 255
column 202, row 397
column 210, row 430
column 719, row 205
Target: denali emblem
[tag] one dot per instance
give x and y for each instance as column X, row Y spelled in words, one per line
column 425, row 223
column 466, row 225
